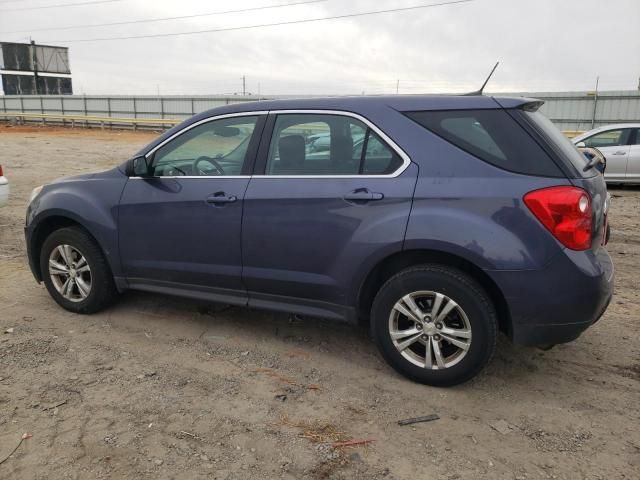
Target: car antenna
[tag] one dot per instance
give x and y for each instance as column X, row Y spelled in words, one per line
column 479, row 92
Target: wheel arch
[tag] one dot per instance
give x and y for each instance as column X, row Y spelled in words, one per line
column 46, row 227
column 394, row 263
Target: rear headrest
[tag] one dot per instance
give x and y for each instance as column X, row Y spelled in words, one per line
column 292, row 151
column 341, row 149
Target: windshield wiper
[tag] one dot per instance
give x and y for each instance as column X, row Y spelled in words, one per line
column 594, row 159
column 590, row 164
column 595, row 162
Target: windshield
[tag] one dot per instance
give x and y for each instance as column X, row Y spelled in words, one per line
column 560, row 143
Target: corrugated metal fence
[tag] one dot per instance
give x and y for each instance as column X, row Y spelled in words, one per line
column 587, row 110
column 570, row 111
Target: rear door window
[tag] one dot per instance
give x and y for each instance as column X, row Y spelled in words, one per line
column 312, row 144
column 491, row 135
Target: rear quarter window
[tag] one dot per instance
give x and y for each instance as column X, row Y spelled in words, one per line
column 565, row 150
column 492, row 136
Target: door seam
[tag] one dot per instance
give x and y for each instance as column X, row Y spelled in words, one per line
column 242, row 207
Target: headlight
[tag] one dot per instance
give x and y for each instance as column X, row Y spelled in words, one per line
column 35, row 192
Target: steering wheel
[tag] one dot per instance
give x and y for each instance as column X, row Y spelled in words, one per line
column 212, row 161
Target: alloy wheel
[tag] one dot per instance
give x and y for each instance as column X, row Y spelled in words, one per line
column 430, row 330
column 70, row 273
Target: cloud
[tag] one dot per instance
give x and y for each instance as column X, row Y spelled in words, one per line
column 543, row 45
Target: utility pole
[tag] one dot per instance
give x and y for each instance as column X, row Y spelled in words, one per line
column 34, row 59
column 595, row 103
column 244, row 86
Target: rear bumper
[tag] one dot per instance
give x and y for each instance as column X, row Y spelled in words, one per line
column 558, row 303
column 552, row 334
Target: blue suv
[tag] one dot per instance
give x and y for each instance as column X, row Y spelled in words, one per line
column 440, row 220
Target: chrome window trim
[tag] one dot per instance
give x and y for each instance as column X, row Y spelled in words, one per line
column 204, row 120
column 406, row 160
column 179, row 177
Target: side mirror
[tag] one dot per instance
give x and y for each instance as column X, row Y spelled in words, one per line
column 581, row 145
column 140, row 167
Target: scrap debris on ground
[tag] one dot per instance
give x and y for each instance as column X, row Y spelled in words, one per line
column 426, row 418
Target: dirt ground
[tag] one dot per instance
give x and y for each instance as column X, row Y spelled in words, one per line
column 160, row 387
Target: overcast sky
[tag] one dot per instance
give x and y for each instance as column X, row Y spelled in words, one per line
column 543, row 45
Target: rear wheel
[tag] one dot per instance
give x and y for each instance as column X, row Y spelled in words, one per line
column 76, row 272
column 435, row 325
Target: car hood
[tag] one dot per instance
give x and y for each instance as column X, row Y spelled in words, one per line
column 113, row 172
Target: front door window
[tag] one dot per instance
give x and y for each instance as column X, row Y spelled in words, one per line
column 610, row 138
column 216, row 148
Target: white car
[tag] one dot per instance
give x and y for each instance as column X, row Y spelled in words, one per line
column 620, row 145
column 4, row 188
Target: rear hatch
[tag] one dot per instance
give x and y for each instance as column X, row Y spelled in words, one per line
column 573, row 163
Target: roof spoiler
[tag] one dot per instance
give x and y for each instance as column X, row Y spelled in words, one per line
column 532, row 106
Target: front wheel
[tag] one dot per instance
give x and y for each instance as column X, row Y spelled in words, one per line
column 76, row 272
column 435, row 325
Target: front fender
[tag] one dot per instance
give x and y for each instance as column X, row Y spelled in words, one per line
column 92, row 202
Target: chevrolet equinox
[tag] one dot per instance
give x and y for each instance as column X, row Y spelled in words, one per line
column 441, row 220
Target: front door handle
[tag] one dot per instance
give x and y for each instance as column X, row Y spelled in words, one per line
column 363, row 195
column 220, row 198
column 619, row 152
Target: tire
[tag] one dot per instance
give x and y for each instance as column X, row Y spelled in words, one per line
column 473, row 315
column 102, row 291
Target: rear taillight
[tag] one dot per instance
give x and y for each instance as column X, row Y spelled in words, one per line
column 1, row 173
column 565, row 212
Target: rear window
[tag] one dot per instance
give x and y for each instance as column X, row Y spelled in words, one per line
column 492, row 136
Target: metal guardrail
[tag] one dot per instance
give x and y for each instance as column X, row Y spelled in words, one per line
column 85, row 120
column 134, row 122
column 147, row 107
column 569, row 111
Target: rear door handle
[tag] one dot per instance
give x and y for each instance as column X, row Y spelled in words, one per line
column 619, row 152
column 363, row 195
column 220, row 198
